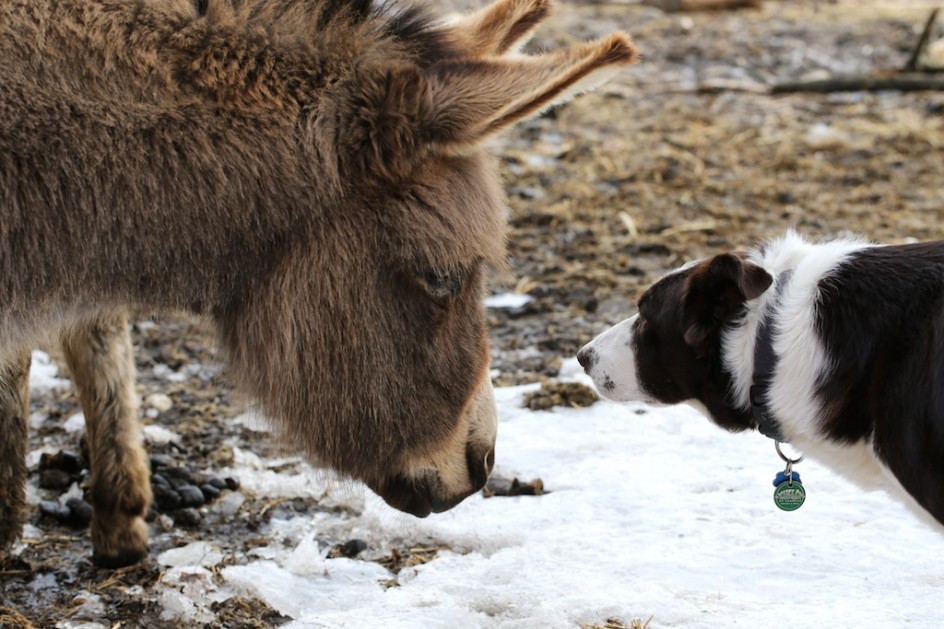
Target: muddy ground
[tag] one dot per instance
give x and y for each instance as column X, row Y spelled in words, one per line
column 682, row 156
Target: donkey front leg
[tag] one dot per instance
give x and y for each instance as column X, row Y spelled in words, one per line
column 14, row 414
column 100, row 359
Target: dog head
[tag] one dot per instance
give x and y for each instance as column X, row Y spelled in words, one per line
column 671, row 351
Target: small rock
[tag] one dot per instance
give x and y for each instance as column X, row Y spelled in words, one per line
column 165, row 523
column 80, row 512
column 54, row 479
column 210, row 492
column 190, row 496
column 158, row 401
column 54, row 510
column 157, row 479
column 161, row 460
column 187, row 517
column 350, row 549
column 166, row 498
column 232, row 483
column 217, row 482
column 178, row 476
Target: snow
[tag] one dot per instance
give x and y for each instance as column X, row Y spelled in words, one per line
column 158, row 435
column 508, row 300
column 44, row 374
column 651, row 512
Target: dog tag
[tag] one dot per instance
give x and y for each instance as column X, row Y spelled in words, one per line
column 789, row 494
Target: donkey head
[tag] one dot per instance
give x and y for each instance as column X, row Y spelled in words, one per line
column 396, row 368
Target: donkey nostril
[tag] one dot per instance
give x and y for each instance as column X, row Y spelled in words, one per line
column 479, row 465
column 489, row 461
column 586, row 357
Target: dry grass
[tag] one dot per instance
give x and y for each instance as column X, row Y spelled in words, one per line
column 12, row 619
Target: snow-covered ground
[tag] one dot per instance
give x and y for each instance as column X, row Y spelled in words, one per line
column 650, row 513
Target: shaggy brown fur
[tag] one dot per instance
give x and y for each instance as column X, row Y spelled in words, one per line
column 308, row 176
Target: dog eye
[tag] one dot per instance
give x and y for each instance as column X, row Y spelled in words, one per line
column 440, row 284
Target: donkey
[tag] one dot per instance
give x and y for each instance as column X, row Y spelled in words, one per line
column 309, row 177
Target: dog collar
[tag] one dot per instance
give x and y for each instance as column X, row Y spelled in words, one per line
column 765, row 360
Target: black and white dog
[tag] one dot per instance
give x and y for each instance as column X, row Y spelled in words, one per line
column 836, row 348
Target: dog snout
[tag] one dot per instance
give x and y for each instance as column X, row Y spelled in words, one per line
column 587, row 357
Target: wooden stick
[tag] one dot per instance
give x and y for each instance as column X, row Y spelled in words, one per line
column 904, row 82
column 912, row 64
column 701, row 5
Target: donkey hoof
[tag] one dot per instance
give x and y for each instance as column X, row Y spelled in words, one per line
column 119, row 546
column 119, row 560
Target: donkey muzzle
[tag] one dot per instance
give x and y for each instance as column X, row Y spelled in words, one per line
column 426, row 492
column 452, row 474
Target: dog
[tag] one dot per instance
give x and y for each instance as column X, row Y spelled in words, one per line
column 836, row 348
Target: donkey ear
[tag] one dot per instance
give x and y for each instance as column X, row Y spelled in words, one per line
column 715, row 292
column 503, row 26
column 395, row 116
column 472, row 99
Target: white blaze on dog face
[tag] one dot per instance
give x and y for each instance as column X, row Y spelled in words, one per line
column 668, row 352
column 610, row 360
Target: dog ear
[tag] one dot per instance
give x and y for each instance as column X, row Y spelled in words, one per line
column 715, row 292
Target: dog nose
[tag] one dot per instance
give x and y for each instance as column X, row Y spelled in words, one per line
column 586, row 357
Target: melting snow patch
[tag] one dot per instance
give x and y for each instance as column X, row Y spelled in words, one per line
column 75, row 424
column 158, row 435
column 508, row 300
column 194, row 554
column 44, row 374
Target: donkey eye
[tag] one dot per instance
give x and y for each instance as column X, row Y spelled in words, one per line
column 440, row 284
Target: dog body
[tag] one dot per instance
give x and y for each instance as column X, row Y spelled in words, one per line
column 857, row 333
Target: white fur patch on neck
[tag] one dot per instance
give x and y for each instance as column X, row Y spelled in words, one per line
column 802, row 358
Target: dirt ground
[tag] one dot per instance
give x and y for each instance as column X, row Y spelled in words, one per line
column 684, row 155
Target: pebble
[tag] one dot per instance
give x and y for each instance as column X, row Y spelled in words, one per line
column 159, row 402
column 188, row 517
column 178, row 476
column 232, row 483
column 161, row 460
column 217, row 482
column 75, row 512
column 80, row 512
column 165, row 523
column 54, row 509
column 166, row 498
column 210, row 492
column 352, row 548
column 190, row 496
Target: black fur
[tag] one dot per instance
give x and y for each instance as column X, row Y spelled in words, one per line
column 880, row 317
